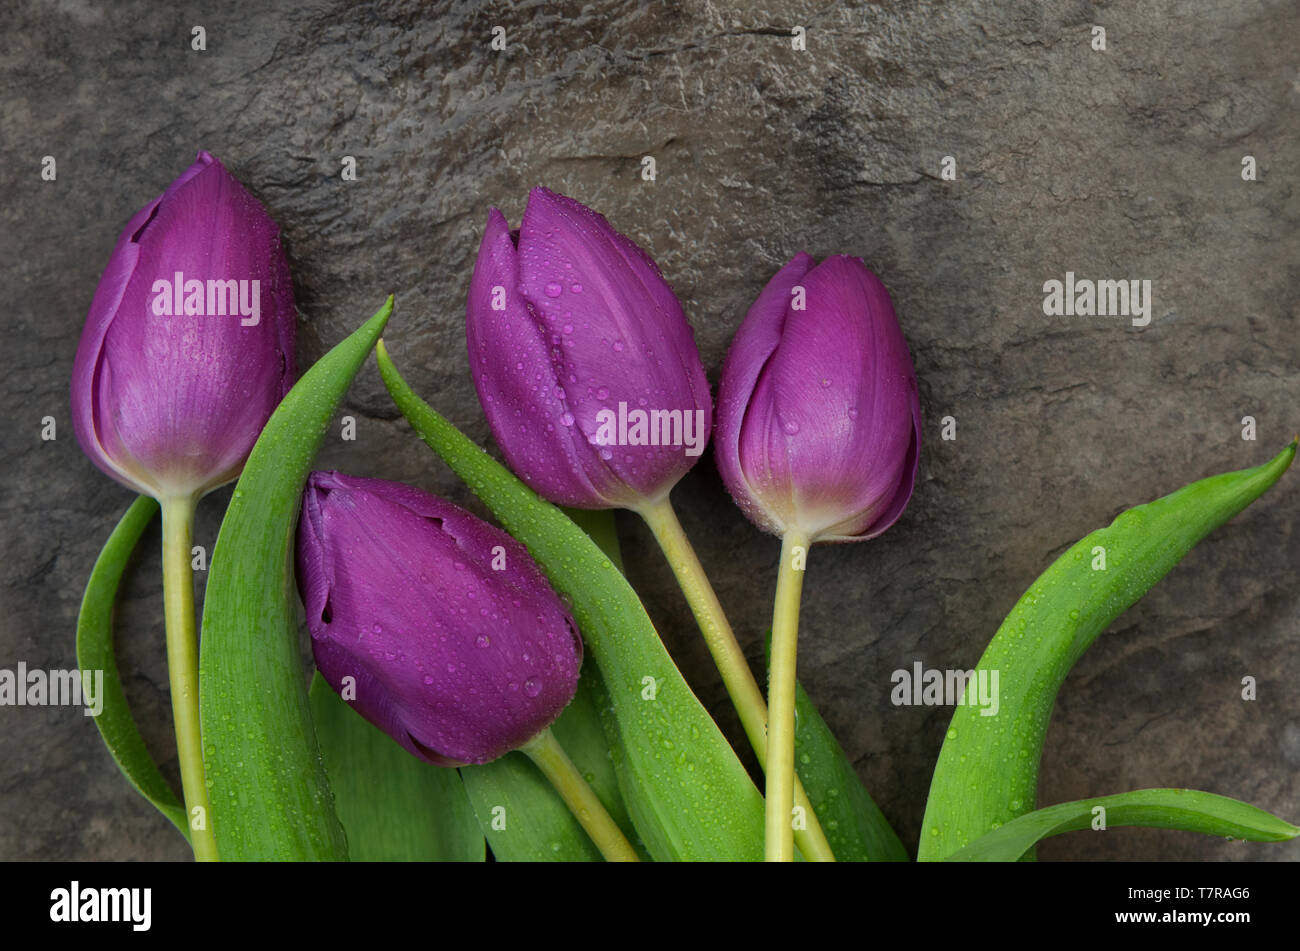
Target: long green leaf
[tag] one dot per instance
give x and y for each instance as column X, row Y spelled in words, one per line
column 270, row 795
column 394, row 808
column 987, row 773
column 854, row 825
column 95, row 652
column 1185, row 809
column 689, row 796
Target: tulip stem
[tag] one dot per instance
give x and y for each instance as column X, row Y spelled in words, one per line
column 730, row 660
column 183, row 668
column 781, row 696
column 545, row 750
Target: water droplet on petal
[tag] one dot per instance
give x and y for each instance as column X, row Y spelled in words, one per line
column 532, row 686
column 553, row 290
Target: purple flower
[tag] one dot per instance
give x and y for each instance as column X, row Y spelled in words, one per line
column 819, row 420
column 454, row 643
column 188, row 346
column 583, row 360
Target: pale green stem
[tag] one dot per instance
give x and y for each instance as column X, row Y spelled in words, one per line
column 545, row 750
column 729, row 658
column 183, row 668
column 779, row 840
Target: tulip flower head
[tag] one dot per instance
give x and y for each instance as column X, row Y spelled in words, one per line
column 583, row 360
column 435, row 626
column 188, row 346
column 819, row 419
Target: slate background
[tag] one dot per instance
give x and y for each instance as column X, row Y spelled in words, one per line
column 1114, row 165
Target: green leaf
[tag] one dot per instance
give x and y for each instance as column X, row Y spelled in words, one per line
column 522, row 815
column 270, row 796
column 394, row 808
column 689, row 796
column 95, row 652
column 1185, row 809
column 987, row 773
column 854, row 825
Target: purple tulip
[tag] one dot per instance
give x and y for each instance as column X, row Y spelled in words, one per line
column 583, row 360
column 819, row 420
column 188, row 346
column 456, row 645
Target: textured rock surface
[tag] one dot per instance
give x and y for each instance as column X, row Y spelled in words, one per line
column 1117, row 164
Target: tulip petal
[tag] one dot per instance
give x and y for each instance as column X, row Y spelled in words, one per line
column 173, row 404
column 754, row 343
column 618, row 336
column 458, row 647
column 517, row 383
column 819, row 425
column 85, row 369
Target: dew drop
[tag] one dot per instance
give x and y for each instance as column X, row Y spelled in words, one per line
column 567, row 419
column 532, row 686
column 482, row 640
column 553, row 289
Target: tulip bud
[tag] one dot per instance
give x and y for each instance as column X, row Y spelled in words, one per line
column 583, row 360
column 436, row 627
column 188, row 346
column 819, row 419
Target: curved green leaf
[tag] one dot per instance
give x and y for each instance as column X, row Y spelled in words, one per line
column 1185, row 809
column 270, row 796
column 394, row 808
column 689, row 796
column 987, row 773
column 95, row 652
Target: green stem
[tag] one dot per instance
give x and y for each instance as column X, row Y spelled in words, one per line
column 729, row 658
column 183, row 668
column 545, row 750
column 781, row 697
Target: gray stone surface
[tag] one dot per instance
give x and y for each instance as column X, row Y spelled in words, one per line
column 1115, row 164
